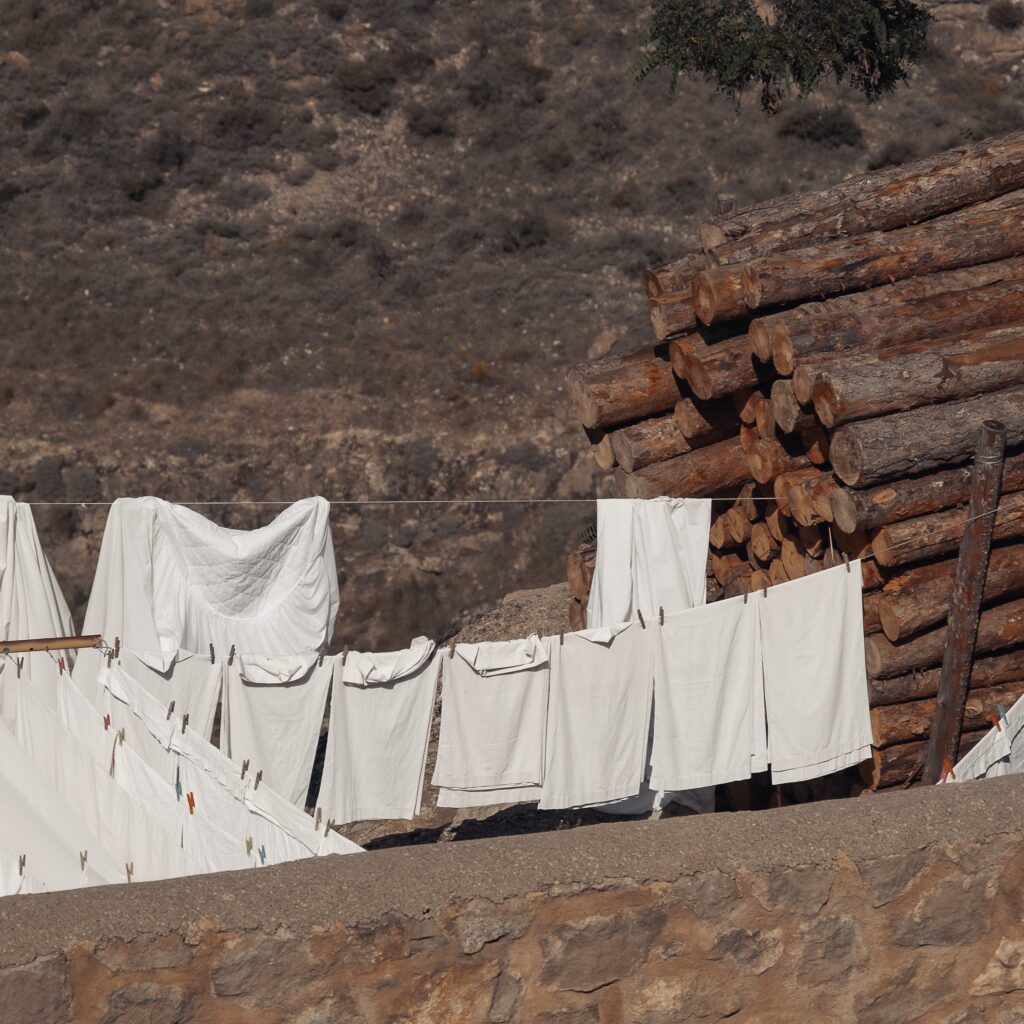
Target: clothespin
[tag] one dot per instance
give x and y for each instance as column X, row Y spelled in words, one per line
column 245, row 767
column 110, row 656
column 248, row 846
column 561, row 639
column 451, row 649
column 994, row 719
column 117, row 647
column 947, row 769
column 120, row 735
column 1002, row 715
column 184, row 721
column 83, row 858
column 745, row 596
column 258, row 779
column 177, row 782
column 191, row 797
column 344, row 657
column 640, row 616
column 18, row 665
column 231, row 655
column 316, row 819
column 129, row 869
column 213, row 657
column 170, row 710
column 263, row 854
column 765, row 592
column 846, row 561
column 330, row 824
column 22, row 859
column 60, row 665
column 106, row 722
column 661, row 616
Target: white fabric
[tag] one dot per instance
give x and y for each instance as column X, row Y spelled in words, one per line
column 191, row 681
column 378, row 735
column 815, row 681
column 168, row 580
column 36, row 821
column 704, row 678
column 599, row 711
column 494, row 702
column 651, row 555
column 31, row 605
column 999, row 752
column 275, row 725
column 16, row 880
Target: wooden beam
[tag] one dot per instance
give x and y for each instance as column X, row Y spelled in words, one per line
column 52, row 643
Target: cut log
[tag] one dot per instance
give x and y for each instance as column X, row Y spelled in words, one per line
column 759, row 579
column 794, row 558
column 718, row 294
column 739, row 584
column 777, row 522
column 763, row 546
column 747, row 404
column 906, row 499
column 871, row 452
column 853, row 545
column 713, row 470
column 647, row 442
column 801, row 502
column 728, row 566
column 603, row 454
column 787, row 412
column 877, row 201
column 815, row 443
column 859, row 388
column 935, row 535
column 768, row 459
column 704, row 423
column 719, row 537
column 901, row 723
column 577, row 614
column 720, row 369
column 580, row 570
column 777, row 572
column 812, row 540
column 932, row 306
column 738, row 526
column 821, row 498
column 747, row 504
column 619, row 388
column 999, row 668
column 872, row 602
column 999, row 628
column 785, row 482
column 671, row 315
column 902, row 763
column 675, row 276
column 989, row 231
column 919, row 599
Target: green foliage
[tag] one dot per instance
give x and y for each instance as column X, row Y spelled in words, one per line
column 867, row 44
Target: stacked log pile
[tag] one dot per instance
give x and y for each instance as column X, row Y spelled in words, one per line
column 821, row 367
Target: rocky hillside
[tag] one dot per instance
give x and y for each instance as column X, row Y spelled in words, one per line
column 259, row 249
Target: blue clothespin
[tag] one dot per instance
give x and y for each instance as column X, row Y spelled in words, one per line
column 1002, row 716
column 263, row 854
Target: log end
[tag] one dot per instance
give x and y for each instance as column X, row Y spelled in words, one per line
column 874, row 654
column 846, row 457
column 697, row 376
column 652, row 286
column 883, row 547
column 752, row 286
column 823, row 396
column 889, row 620
column 760, row 338
column 604, row 454
column 785, row 407
column 704, row 301
column 583, row 403
column 782, row 350
column 710, row 236
column 844, row 512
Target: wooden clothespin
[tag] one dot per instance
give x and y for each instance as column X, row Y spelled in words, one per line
column 231, row 655
column 19, row 664
column 177, row 782
column 746, row 596
column 344, row 657
column 110, row 656
column 245, row 767
column 191, row 802
column 765, row 592
column 120, row 735
column 258, row 779
column 561, row 639
column 846, row 561
column 83, row 858
column 61, row 665
column 316, row 819
column 320, row 660
column 129, row 869
column 22, row 860
column 170, row 710
column 330, row 824
column 213, row 656
column 640, row 616
column 248, row 846
column 661, row 616
column 117, row 647
column 184, row 721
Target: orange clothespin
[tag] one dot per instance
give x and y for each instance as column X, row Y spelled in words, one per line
column 994, row 719
column 947, row 769
column 191, row 802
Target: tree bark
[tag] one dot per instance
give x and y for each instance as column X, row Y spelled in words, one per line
column 808, row 499
column 896, row 765
column 619, row 388
column 979, row 234
column 721, row 369
column 728, row 566
column 647, row 442
column 704, row 423
column 991, row 671
column 670, row 315
column 999, row 628
column 784, row 483
column 907, row 499
column 719, row 537
column 787, row 412
column 737, row 525
column 935, row 305
column 673, row 277
column 713, row 470
column 718, row 295
column 763, row 545
column 901, row 723
column 894, row 380
column 935, row 535
column 877, row 201
column 580, row 570
column 871, row 452
column 767, row 459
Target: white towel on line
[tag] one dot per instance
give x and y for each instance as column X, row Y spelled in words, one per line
column 599, row 712
column 815, row 680
column 705, row 674
column 168, row 579
column 378, row 734
column 494, row 701
column 275, row 725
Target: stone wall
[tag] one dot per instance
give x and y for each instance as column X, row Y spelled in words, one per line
column 895, row 908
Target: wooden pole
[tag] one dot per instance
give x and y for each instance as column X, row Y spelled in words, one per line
column 56, row 643
column 971, row 571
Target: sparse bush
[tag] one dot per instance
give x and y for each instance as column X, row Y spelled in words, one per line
column 259, row 8
column 366, row 85
column 829, row 126
column 1006, row 15
column 431, row 120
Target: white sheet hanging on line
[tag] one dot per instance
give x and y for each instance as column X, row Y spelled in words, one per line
column 999, row 752
column 15, row 878
column 271, row 716
column 599, row 712
column 31, row 606
column 815, row 680
column 169, row 580
column 494, row 701
column 381, row 706
column 651, row 554
column 705, row 675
